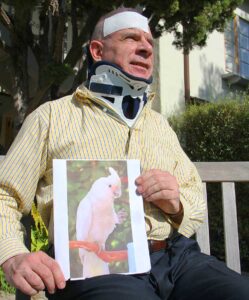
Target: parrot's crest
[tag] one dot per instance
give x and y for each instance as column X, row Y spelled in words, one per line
column 115, row 181
column 113, row 173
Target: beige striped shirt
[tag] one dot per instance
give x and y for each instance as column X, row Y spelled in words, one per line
column 76, row 127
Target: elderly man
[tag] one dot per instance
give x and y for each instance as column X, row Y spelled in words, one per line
column 110, row 117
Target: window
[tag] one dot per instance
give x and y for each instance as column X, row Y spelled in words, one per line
column 230, row 48
column 237, row 47
column 244, row 48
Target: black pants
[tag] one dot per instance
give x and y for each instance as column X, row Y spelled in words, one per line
column 181, row 272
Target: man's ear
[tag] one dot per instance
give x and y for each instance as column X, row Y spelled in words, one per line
column 95, row 48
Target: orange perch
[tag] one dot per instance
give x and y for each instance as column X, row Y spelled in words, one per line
column 107, row 256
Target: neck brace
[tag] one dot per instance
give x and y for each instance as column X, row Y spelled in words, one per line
column 119, row 91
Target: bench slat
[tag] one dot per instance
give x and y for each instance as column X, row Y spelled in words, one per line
column 202, row 235
column 223, row 171
column 231, row 226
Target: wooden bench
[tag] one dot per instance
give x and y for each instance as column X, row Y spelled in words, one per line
column 226, row 173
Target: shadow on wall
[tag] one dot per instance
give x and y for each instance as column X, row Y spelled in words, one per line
column 213, row 87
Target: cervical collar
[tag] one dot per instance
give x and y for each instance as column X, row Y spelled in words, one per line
column 122, row 93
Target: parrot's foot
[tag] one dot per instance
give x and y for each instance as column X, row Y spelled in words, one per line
column 122, row 216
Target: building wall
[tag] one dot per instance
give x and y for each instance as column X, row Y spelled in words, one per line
column 207, row 65
column 207, row 68
column 170, row 76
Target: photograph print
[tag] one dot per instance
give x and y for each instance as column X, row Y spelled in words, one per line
column 105, row 230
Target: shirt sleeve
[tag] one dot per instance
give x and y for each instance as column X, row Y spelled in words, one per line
column 191, row 190
column 20, row 172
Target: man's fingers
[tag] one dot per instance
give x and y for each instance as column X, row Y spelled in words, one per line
column 46, row 276
column 20, row 282
column 58, row 276
column 153, row 176
column 33, row 272
column 40, row 274
column 162, row 195
column 161, row 188
column 154, row 181
column 34, row 280
column 158, row 186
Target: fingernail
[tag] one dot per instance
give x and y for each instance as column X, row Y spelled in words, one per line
column 138, row 180
column 139, row 189
column 61, row 285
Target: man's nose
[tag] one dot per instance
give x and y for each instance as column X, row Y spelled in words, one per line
column 145, row 48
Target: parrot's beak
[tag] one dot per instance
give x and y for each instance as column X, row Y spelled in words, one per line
column 116, row 191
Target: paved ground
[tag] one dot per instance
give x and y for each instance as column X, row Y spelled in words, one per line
column 4, row 296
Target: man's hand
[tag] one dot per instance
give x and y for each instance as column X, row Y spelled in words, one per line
column 32, row 272
column 162, row 189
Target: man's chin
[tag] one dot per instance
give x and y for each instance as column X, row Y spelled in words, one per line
column 139, row 72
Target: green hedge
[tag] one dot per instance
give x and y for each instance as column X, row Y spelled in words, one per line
column 215, row 131
column 219, row 132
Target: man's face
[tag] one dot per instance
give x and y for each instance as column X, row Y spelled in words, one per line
column 131, row 49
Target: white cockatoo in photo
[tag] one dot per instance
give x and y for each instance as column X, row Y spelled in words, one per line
column 96, row 220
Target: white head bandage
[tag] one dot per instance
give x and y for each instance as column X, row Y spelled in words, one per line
column 123, row 20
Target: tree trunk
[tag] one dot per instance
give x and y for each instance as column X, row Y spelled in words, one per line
column 186, row 51
column 186, row 77
column 59, row 34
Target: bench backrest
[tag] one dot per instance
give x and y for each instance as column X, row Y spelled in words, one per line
column 227, row 173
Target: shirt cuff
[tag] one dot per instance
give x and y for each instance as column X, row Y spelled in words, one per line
column 185, row 221
column 11, row 247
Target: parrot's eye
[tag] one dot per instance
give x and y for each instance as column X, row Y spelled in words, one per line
column 110, row 185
